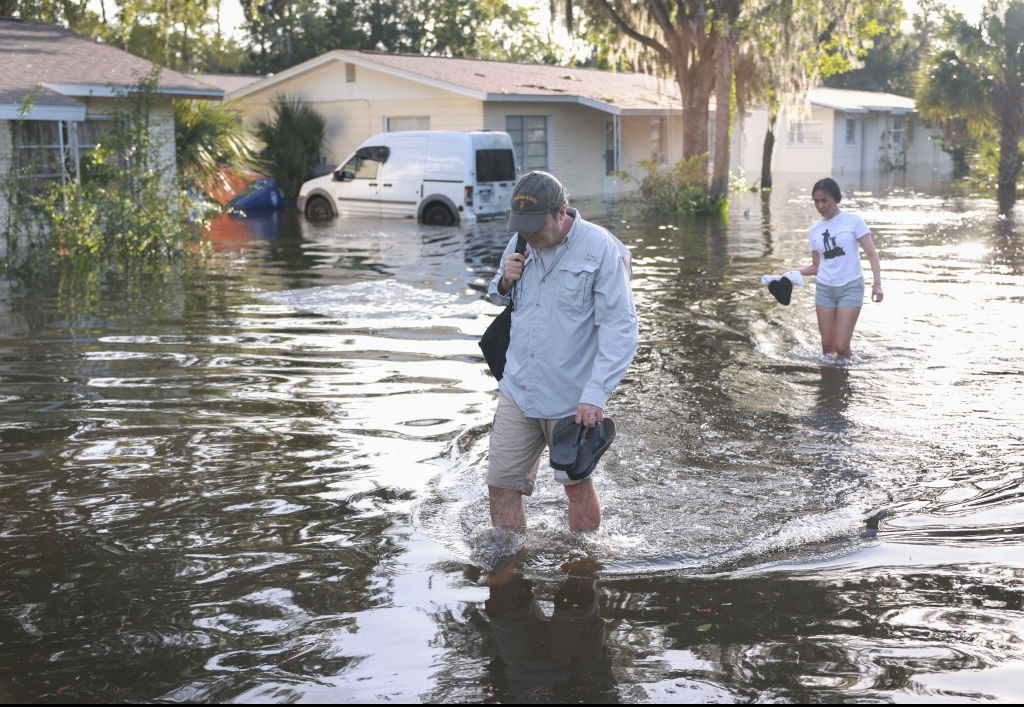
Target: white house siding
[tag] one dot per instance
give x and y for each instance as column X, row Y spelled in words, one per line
column 161, row 126
column 575, row 141
column 577, row 149
column 355, row 110
column 636, row 147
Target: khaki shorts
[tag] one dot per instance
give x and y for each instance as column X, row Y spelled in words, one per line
column 517, row 443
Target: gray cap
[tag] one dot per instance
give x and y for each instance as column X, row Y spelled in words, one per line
column 536, row 195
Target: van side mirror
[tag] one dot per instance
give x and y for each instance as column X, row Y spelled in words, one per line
column 341, row 175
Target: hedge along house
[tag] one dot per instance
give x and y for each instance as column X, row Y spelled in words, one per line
column 587, row 126
column 57, row 94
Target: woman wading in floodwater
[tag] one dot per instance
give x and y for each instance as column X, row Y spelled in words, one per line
column 835, row 263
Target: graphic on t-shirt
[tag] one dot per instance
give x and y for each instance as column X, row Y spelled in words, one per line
column 832, row 249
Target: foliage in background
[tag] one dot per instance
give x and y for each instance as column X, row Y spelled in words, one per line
column 894, row 57
column 292, row 140
column 185, row 35
column 783, row 46
column 283, row 33
column 210, row 140
column 973, row 87
column 672, row 194
column 125, row 215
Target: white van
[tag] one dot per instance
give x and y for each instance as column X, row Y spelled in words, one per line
column 437, row 177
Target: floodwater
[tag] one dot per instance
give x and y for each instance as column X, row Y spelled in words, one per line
column 263, row 483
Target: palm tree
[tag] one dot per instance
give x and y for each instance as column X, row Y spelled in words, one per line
column 293, row 141
column 210, row 141
column 975, row 86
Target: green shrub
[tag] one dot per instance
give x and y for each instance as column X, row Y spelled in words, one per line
column 293, row 140
column 127, row 211
column 673, row 193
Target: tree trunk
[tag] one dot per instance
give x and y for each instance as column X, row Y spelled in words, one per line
column 766, row 154
column 723, row 119
column 696, row 79
column 1009, row 169
column 1008, row 100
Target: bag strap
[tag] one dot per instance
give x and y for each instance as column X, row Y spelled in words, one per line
column 520, row 248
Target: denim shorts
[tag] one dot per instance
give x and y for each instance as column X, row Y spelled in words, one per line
column 849, row 295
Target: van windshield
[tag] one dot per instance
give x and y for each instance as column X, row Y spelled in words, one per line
column 495, row 165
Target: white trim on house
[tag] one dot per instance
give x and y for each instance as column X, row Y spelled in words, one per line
column 86, row 90
column 42, row 112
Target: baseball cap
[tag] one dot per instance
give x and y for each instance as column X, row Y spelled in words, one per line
column 536, row 195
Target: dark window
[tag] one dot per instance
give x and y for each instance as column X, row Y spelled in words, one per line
column 495, row 166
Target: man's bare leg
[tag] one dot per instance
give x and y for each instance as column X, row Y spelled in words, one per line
column 507, row 509
column 584, row 506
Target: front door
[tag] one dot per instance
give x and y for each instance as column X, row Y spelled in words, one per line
column 612, row 183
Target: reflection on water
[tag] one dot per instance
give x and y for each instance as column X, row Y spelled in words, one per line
column 264, row 482
column 561, row 658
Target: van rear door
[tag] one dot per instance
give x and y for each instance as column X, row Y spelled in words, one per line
column 495, row 172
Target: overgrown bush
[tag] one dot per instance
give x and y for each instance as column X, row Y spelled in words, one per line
column 673, row 193
column 125, row 213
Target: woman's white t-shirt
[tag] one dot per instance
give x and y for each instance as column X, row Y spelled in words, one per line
column 836, row 242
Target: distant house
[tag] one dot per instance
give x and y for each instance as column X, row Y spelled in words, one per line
column 57, row 90
column 585, row 125
column 850, row 135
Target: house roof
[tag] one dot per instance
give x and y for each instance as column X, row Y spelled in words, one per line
column 49, row 68
column 850, row 101
column 228, row 82
column 613, row 92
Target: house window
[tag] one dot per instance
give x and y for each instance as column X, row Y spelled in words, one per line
column 851, row 131
column 659, row 140
column 806, row 134
column 530, row 138
column 406, row 123
column 896, row 133
column 52, row 150
column 41, row 148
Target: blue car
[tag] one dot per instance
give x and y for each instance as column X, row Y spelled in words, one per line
column 262, row 195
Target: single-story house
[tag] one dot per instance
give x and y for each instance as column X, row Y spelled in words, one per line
column 846, row 134
column 588, row 126
column 57, row 90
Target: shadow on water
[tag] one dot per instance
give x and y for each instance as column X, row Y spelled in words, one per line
column 264, row 482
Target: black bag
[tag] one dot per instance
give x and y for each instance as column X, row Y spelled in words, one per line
column 494, row 342
column 495, row 339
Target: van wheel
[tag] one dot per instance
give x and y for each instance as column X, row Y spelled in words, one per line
column 438, row 215
column 317, row 209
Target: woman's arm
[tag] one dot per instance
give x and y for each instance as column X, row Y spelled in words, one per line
column 876, row 267
column 811, row 269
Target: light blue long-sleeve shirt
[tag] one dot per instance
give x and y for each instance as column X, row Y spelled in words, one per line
column 574, row 328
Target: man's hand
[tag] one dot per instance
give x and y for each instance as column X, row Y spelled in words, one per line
column 589, row 415
column 511, row 271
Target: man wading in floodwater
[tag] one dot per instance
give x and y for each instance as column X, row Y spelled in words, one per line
column 574, row 334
